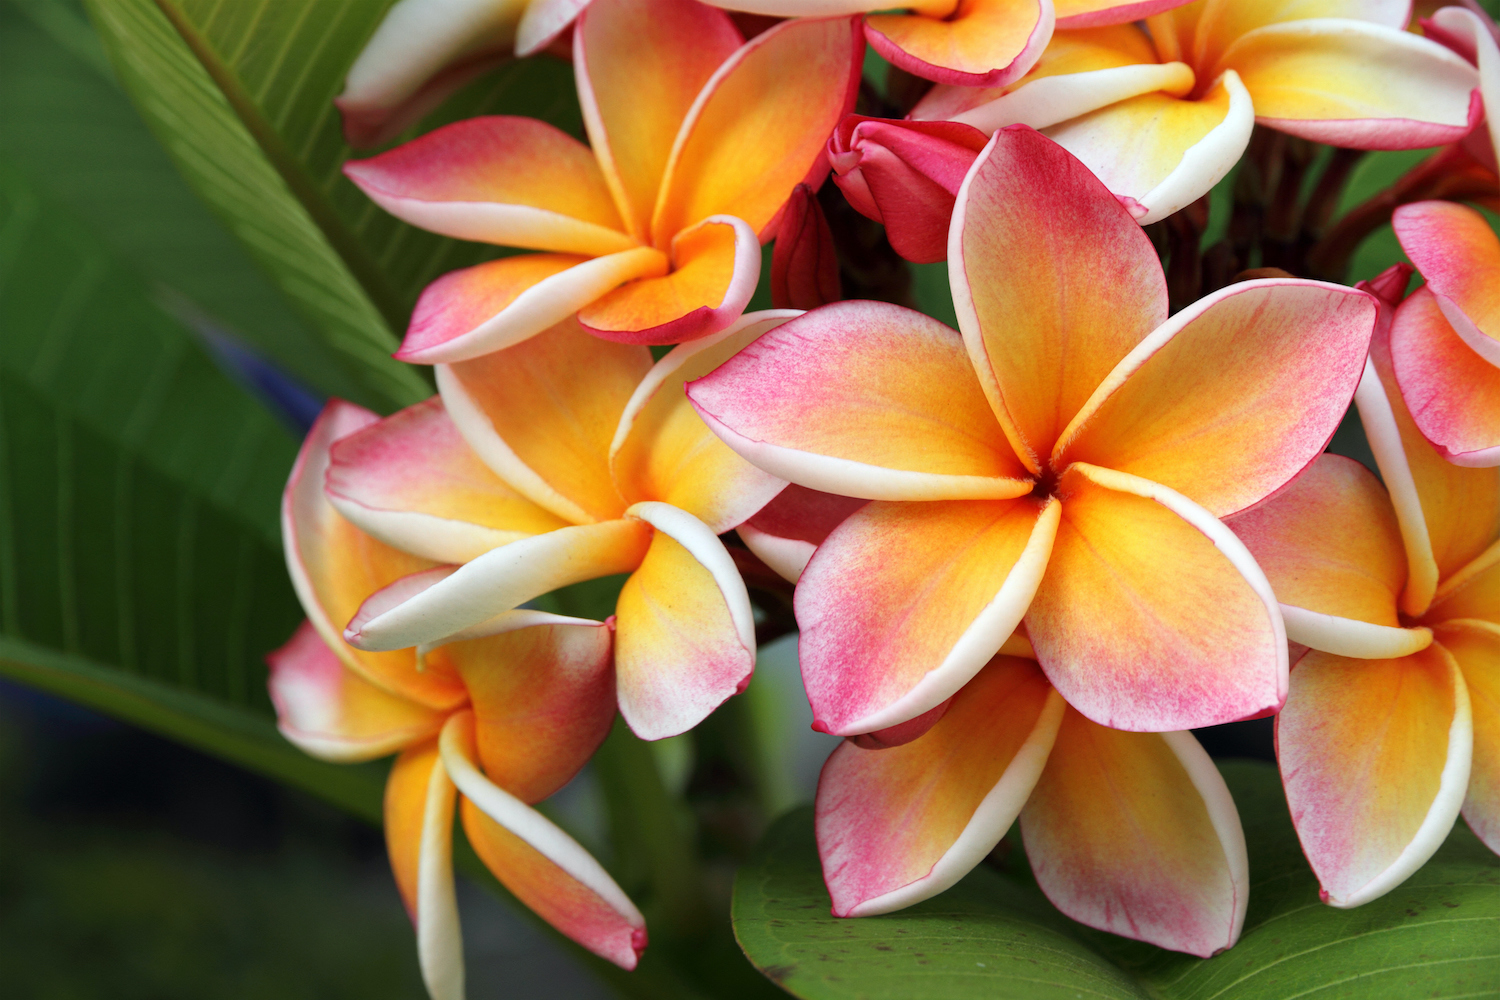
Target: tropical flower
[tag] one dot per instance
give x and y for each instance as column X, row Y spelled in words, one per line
column 1445, row 338
column 653, row 235
column 505, row 719
column 896, row 825
column 562, row 459
column 1392, row 722
column 1065, row 459
column 1475, row 36
column 1162, row 112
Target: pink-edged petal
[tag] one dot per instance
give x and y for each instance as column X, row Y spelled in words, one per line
column 1476, row 647
column 412, row 482
column 1375, row 758
column 1467, row 26
column 1153, row 616
column 785, row 532
column 905, row 602
column 1452, row 393
column 1056, row 98
column 982, row 43
column 419, row 799
column 544, row 867
column 804, row 264
column 898, row 825
column 1206, row 31
column 330, row 712
column 1458, row 254
column 499, row 179
column 1180, row 879
column 863, row 399
column 1234, row 395
column 495, row 305
column 1074, row 14
column 685, row 632
column 543, row 21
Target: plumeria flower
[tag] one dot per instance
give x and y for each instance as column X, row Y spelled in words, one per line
column 563, row 459
column 1445, row 339
column 899, row 824
column 1392, row 723
column 970, row 43
column 1066, row 458
column 495, row 723
column 1162, row 111
column 652, row 235
column 425, row 50
column 1474, row 35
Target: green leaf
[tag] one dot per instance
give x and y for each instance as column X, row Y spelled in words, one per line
column 994, row 936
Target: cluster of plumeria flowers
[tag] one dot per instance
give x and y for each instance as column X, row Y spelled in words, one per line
column 1029, row 554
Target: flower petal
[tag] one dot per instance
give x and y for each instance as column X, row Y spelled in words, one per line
column 1375, row 756
column 542, row 415
column 685, row 634
column 499, row 179
column 412, row 482
column 785, row 532
column 1180, row 879
column 805, row 263
column 905, row 602
column 1153, row 616
column 1459, row 255
column 419, row 801
column 1074, row 14
column 1054, row 98
column 663, row 450
column 1053, row 283
column 539, row 863
column 863, row 399
column 334, row 566
column 1234, row 395
column 715, row 268
column 1472, row 592
column 757, row 129
column 1468, row 28
column 1451, row 392
column 543, row 21
column 1476, row 647
column 640, row 66
column 899, row 825
column 983, row 43
column 1214, row 27
column 327, row 710
column 1329, row 80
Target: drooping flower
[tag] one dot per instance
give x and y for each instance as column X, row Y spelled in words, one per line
column 559, row 460
column 505, row 719
column 1065, row 459
column 1392, row 722
column 653, row 235
column 1161, row 112
column 899, row 824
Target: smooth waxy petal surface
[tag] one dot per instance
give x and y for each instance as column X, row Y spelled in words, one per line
column 983, row 43
column 1451, row 391
column 1207, row 29
column 1476, row 647
column 419, row 800
column 1458, row 254
column 1088, row 13
column 785, row 532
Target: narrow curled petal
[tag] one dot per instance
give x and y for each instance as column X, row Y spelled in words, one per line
column 327, row 710
column 804, row 264
column 1458, row 254
column 1054, row 98
column 419, row 800
column 544, row 867
column 1329, row 79
column 1375, row 757
column 896, row 826
column 715, row 267
column 905, row 602
column 757, row 129
column 1233, row 396
column 785, row 532
column 499, row 179
column 542, row 414
column 1153, row 616
column 685, row 632
column 1452, row 392
column 1180, row 879
column 663, row 450
column 863, row 399
column 1473, row 31
column 1053, row 283
column 983, row 43
column 1476, row 647
column 411, row 481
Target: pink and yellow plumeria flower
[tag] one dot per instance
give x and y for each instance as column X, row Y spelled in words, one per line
column 1445, row 340
column 1162, row 111
column 1392, row 723
column 562, row 459
column 653, row 235
column 1066, row 458
column 899, row 824
column 507, row 718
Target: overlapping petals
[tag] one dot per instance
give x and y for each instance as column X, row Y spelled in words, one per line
column 651, row 232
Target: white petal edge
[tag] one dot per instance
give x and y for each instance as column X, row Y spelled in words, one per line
column 441, row 539
column 787, row 556
column 505, row 621
column 543, row 21
column 1222, row 813
column 1207, row 161
column 1481, row 343
column 1053, row 99
column 703, row 545
column 1466, row 24
column 347, row 751
column 985, row 636
column 440, row 948
column 1453, row 786
column 1351, row 637
column 504, row 225
column 531, row 826
column 415, row 40
column 996, row 812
